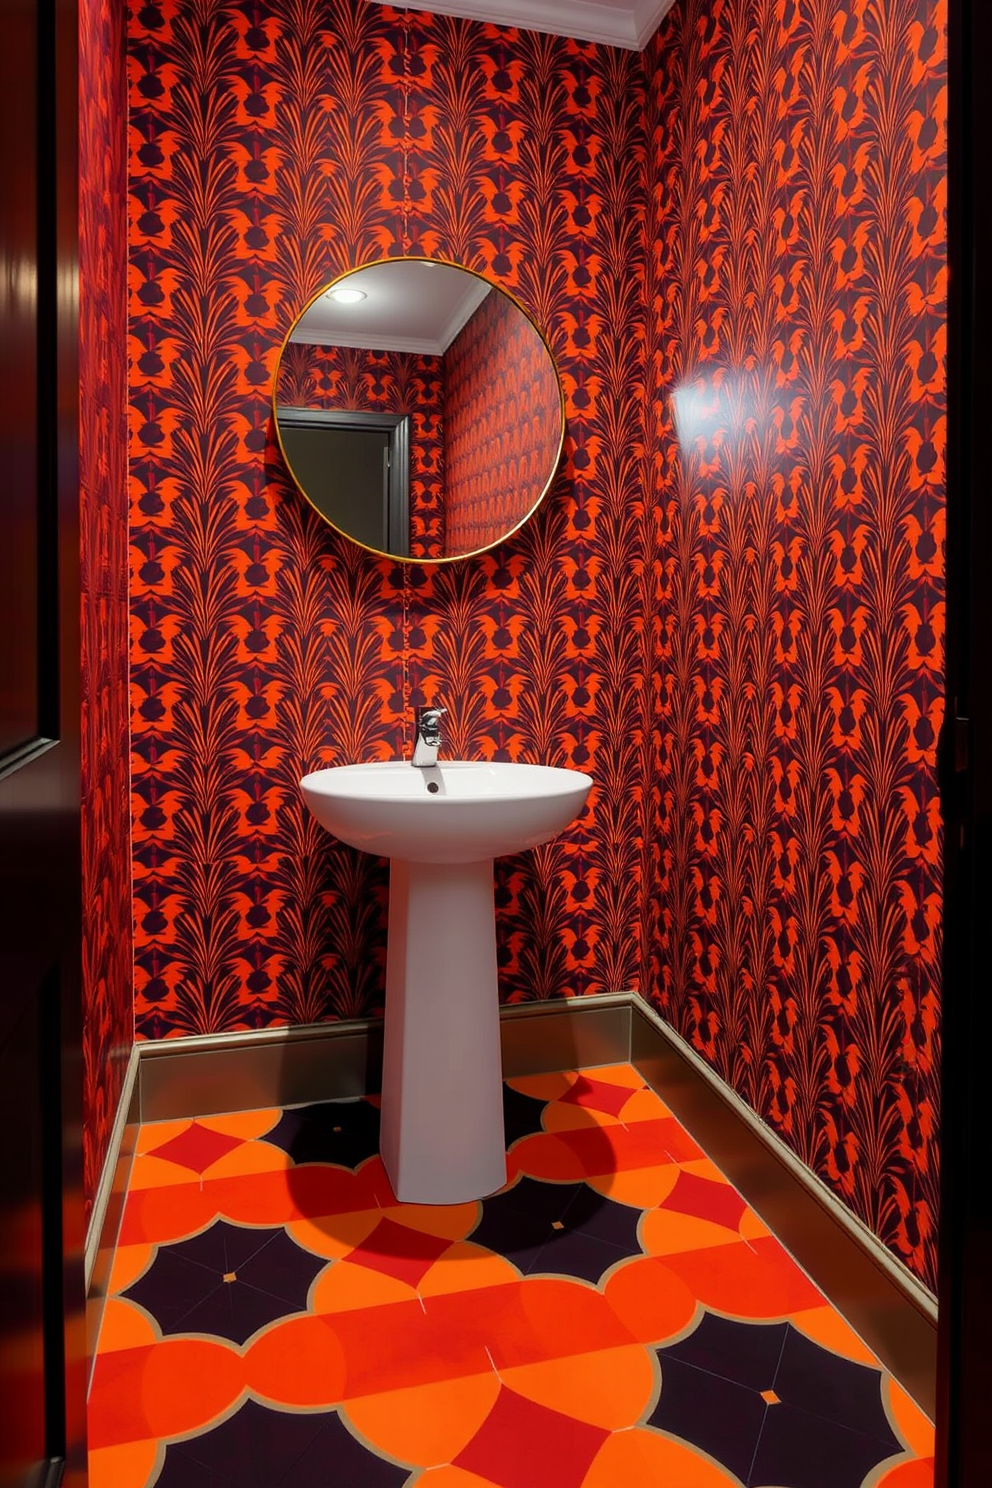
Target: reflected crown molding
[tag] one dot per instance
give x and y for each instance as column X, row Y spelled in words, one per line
column 620, row 23
column 412, row 345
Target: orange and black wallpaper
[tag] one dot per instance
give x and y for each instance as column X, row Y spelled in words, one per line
column 108, row 1011
column 798, row 345
column 274, row 146
column 385, row 382
column 502, row 416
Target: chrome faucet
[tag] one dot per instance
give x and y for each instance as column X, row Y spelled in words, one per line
column 427, row 739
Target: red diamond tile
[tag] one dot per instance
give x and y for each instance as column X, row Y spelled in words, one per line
column 704, row 1199
column 197, row 1148
column 524, row 1445
column 597, row 1095
column 398, row 1251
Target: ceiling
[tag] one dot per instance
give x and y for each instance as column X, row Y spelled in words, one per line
column 410, row 305
column 622, row 23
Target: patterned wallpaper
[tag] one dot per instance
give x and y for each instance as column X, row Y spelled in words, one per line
column 273, row 146
column 502, row 417
column 386, row 382
column 108, row 1012
column 798, row 348
column 749, row 666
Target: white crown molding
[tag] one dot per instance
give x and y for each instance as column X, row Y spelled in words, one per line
column 413, row 345
column 648, row 16
column 464, row 312
column 630, row 24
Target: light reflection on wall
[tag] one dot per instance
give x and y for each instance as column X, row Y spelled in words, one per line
column 709, row 409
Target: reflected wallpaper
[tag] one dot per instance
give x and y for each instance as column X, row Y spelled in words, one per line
column 502, row 417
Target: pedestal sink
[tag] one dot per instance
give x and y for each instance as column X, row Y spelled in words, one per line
column 442, row 1109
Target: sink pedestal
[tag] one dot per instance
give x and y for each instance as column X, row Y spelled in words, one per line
column 442, row 1093
column 441, row 827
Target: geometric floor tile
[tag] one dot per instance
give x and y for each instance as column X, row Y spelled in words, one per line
column 797, row 1450
column 400, row 1251
column 773, row 1406
column 704, row 1199
column 342, row 1132
column 197, row 1148
column 565, row 1228
column 262, row 1448
column 723, row 1419
column 516, row 1342
column 228, row 1281
column 596, row 1095
column 521, row 1114
column 525, row 1445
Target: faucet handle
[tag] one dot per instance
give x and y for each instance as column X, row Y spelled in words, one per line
column 428, row 722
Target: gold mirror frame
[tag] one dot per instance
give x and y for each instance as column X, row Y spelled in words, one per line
column 554, row 464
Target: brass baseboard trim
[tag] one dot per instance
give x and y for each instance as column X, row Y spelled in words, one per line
column 209, row 1074
column 108, row 1203
column 538, row 1037
column 882, row 1300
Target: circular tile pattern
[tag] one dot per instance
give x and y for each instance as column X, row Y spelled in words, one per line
column 588, row 1325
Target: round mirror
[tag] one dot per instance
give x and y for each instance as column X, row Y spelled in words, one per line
column 419, row 410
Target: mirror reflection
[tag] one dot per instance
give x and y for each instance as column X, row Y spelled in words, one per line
column 419, row 409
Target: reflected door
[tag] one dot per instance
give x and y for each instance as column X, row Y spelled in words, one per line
column 355, row 469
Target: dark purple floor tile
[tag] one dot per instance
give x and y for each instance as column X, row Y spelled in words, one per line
column 512, row 1233
column 816, row 1380
column 746, row 1353
column 341, row 1132
column 185, row 1290
column 223, row 1246
column 521, row 1115
column 283, row 1269
column 538, row 1200
column 233, row 1311
column 259, row 1447
column 590, row 1213
column 572, row 1253
column 713, row 1414
column 798, row 1450
column 170, row 1287
column 558, row 1227
column 334, row 1459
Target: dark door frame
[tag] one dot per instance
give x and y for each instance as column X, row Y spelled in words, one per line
column 43, row 1397
column 964, row 1371
column 396, row 518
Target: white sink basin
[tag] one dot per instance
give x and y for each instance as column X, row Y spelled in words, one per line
column 478, row 810
column 442, row 1107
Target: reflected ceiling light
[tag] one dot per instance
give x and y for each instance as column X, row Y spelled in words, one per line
column 347, row 296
